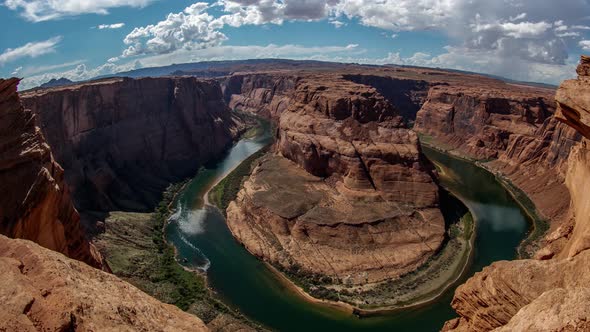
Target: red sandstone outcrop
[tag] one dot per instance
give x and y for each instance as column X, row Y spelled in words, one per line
column 506, row 292
column 549, row 295
column 349, row 196
column 42, row 290
column 573, row 98
column 122, row 141
column 35, row 202
column 346, row 129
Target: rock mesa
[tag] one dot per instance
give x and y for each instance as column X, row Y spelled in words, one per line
column 348, row 193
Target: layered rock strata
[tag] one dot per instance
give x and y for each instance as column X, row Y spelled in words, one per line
column 42, row 290
column 122, row 141
column 406, row 94
column 549, row 295
column 264, row 94
column 512, row 127
column 35, row 202
column 348, row 195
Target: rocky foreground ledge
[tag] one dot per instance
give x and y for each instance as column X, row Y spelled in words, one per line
column 42, row 290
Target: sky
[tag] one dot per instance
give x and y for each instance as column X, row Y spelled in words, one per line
column 527, row 40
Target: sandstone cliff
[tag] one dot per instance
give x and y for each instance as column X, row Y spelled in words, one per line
column 122, row 141
column 35, row 202
column 406, row 94
column 550, row 295
column 512, row 127
column 349, row 194
column 264, row 94
column 41, row 290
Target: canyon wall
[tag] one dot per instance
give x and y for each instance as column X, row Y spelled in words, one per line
column 263, row 94
column 348, row 193
column 542, row 295
column 512, row 129
column 122, row 141
column 407, row 95
column 35, row 202
column 42, row 290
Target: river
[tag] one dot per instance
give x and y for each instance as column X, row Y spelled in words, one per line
column 203, row 241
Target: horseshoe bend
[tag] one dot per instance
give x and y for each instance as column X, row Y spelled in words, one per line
column 387, row 192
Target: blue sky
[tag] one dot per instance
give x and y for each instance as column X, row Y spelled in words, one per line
column 534, row 40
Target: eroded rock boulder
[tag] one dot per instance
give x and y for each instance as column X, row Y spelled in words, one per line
column 42, row 290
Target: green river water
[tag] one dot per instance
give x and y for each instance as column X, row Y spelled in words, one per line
column 203, row 241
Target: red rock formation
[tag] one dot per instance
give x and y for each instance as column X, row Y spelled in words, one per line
column 549, row 295
column 574, row 100
column 481, row 119
column 406, row 94
column 346, row 129
column 35, row 202
column 265, row 94
column 41, row 290
column 362, row 206
column 512, row 125
column 122, row 141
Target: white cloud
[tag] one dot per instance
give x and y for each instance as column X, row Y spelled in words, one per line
column 30, row 50
column 44, row 10
column 111, row 26
column 585, row 45
column 505, row 37
column 191, row 29
column 32, row 70
column 518, row 17
column 79, row 73
column 16, row 71
column 484, row 62
column 228, row 52
column 337, row 24
column 495, row 26
column 568, row 34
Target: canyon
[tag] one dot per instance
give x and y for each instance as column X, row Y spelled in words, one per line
column 514, row 132
column 549, row 294
column 122, row 141
column 511, row 128
column 42, row 289
column 345, row 194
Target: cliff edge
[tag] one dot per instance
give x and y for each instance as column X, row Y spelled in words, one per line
column 35, row 203
column 542, row 295
column 42, row 290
